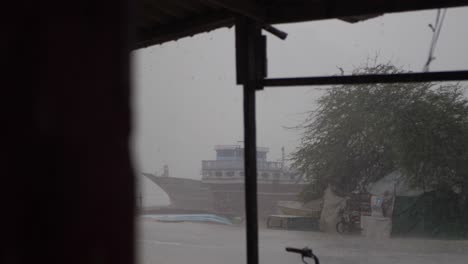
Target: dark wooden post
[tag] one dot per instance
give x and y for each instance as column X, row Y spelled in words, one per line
column 67, row 191
column 250, row 71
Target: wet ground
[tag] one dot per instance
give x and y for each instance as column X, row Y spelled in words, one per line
column 200, row 243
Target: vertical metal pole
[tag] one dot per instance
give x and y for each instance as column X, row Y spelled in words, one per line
column 248, row 72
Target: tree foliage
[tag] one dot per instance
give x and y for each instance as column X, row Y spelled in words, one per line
column 360, row 133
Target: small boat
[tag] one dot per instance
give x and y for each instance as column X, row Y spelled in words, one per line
column 293, row 222
column 311, row 209
column 177, row 218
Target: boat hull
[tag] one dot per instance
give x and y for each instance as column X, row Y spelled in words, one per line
column 185, row 194
column 224, row 198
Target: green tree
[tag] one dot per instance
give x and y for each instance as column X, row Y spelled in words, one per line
column 360, row 133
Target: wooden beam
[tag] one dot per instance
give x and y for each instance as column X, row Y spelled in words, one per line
column 152, row 14
column 246, row 8
column 171, row 9
column 308, row 11
column 182, row 29
column 368, row 79
column 190, row 5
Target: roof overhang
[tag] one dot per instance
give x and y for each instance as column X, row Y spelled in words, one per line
column 166, row 20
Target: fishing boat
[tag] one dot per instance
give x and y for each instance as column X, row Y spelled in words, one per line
column 221, row 187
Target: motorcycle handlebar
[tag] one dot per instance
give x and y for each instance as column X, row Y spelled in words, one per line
column 306, row 252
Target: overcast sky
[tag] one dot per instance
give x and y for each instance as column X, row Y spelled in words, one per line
column 185, row 99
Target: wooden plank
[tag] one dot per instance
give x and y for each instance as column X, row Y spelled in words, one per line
column 308, row 11
column 246, row 8
column 183, row 28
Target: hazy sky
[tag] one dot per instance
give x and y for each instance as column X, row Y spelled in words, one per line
column 185, row 98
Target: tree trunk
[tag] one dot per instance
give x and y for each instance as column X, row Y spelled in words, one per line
column 464, row 208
